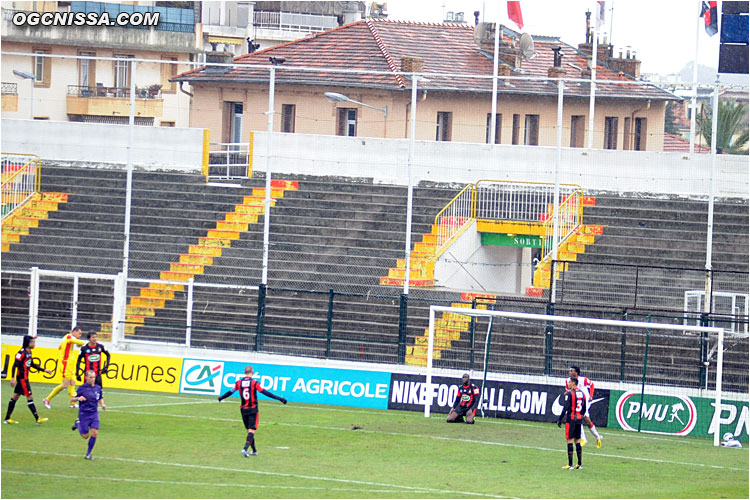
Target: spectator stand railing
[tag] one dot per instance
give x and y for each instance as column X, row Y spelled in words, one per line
column 21, row 177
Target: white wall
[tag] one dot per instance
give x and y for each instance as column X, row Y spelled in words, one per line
column 596, row 170
column 470, row 266
column 158, row 147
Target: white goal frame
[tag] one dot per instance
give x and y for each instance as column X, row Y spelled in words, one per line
column 429, row 389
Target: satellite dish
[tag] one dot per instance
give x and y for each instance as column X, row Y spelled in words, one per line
column 526, row 44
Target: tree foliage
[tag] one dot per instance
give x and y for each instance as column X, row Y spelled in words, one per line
column 731, row 131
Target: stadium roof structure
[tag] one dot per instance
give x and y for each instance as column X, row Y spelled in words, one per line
column 446, row 49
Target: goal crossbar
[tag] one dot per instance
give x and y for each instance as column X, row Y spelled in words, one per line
column 429, row 389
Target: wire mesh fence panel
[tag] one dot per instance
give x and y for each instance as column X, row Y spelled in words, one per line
column 15, row 302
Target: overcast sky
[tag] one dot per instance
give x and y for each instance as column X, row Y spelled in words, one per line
column 661, row 32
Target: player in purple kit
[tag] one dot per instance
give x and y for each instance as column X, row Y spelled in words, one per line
column 89, row 397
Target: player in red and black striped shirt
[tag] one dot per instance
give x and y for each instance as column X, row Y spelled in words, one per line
column 91, row 359
column 466, row 403
column 19, row 380
column 574, row 408
column 249, row 389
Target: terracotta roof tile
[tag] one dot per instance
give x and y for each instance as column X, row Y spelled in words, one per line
column 449, row 48
column 676, row 144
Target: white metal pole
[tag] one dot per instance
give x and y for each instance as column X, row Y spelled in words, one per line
column 119, row 322
column 410, row 189
column 267, row 211
column 694, row 98
column 592, row 94
column 118, row 309
column 556, row 205
column 31, row 103
column 719, row 375
column 189, row 318
column 74, row 315
column 33, row 300
column 710, row 226
column 428, row 379
column 493, row 118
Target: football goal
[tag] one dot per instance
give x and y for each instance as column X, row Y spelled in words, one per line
column 664, row 378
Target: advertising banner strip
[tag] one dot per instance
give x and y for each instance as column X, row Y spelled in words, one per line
column 126, row 371
column 513, row 400
column 678, row 415
column 302, row 384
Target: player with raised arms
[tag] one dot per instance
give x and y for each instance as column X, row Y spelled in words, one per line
column 249, row 389
column 66, row 367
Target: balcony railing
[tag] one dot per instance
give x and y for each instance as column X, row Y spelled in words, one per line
column 292, row 21
column 102, row 91
column 10, row 88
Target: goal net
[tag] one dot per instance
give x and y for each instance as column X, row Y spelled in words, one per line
column 658, row 377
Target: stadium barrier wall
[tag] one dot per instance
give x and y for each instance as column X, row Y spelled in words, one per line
column 156, row 147
column 386, row 159
column 126, row 371
column 679, row 415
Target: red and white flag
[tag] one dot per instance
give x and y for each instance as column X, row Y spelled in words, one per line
column 514, row 12
column 601, row 9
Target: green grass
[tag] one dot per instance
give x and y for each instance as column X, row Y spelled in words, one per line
column 168, row 446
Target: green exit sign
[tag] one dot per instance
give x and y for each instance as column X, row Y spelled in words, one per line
column 517, row 240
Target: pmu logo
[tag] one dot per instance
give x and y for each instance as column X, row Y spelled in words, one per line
column 661, row 414
column 201, row 377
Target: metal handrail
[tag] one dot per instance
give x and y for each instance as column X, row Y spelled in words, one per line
column 454, row 217
column 569, row 216
column 21, row 186
column 229, row 160
column 516, row 200
column 91, row 91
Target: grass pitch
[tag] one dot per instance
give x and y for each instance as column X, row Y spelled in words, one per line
column 173, row 446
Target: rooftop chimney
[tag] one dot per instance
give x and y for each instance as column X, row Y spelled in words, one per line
column 412, row 64
column 218, row 58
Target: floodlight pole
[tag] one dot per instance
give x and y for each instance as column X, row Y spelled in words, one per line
column 118, row 323
column 694, row 98
column 269, row 149
column 710, row 225
column 593, row 84
column 493, row 119
column 410, row 188
column 556, row 202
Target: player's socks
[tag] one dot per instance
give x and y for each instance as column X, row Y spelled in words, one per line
column 250, row 442
column 54, row 392
column 570, row 454
column 71, row 391
column 11, row 406
column 92, row 442
column 578, row 452
column 596, row 434
column 32, row 409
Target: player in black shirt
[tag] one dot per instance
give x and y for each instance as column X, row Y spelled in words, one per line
column 249, row 389
column 574, row 411
column 19, row 380
column 466, row 403
column 91, row 359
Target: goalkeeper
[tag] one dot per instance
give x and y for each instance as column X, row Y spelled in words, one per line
column 67, row 367
column 466, row 403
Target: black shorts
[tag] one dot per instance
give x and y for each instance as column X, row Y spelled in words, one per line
column 22, row 387
column 463, row 410
column 250, row 418
column 573, row 429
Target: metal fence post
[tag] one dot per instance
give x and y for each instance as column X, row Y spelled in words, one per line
column 549, row 333
column 402, row 315
column 703, row 361
column 189, row 313
column 472, row 329
column 643, row 377
column 330, row 323
column 74, row 304
column 260, row 324
column 623, row 342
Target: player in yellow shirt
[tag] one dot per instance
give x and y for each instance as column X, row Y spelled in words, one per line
column 67, row 366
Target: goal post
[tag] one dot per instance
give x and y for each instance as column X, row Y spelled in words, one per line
column 580, row 338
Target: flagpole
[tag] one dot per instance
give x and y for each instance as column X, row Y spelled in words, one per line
column 593, row 77
column 493, row 120
column 694, row 99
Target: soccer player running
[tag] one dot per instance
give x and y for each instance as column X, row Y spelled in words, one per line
column 67, row 368
column 91, row 357
column 574, row 409
column 466, row 402
column 587, row 386
column 249, row 389
column 19, row 380
column 89, row 397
